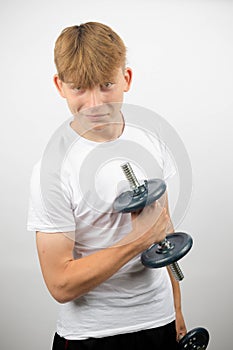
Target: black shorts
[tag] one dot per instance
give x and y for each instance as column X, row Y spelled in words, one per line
column 160, row 338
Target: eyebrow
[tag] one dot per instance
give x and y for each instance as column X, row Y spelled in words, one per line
column 72, row 85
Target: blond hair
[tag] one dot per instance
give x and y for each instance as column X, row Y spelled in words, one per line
column 88, row 54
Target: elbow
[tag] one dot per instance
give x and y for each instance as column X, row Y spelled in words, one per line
column 60, row 298
column 62, row 293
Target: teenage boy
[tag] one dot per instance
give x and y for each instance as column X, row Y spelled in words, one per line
column 89, row 255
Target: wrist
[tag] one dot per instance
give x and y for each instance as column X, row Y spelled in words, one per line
column 178, row 309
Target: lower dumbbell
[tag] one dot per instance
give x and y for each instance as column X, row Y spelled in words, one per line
column 197, row 338
column 174, row 246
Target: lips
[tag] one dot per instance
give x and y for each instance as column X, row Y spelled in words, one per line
column 95, row 116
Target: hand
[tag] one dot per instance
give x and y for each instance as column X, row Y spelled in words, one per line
column 150, row 224
column 180, row 325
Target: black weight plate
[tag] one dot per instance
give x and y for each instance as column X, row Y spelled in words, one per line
column 130, row 201
column 197, row 338
column 153, row 258
column 156, row 188
column 127, row 202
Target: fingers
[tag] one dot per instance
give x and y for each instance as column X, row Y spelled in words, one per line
column 152, row 221
column 154, row 209
column 151, row 214
column 180, row 335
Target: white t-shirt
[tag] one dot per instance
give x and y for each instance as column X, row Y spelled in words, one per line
column 73, row 188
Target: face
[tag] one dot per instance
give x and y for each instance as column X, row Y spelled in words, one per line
column 97, row 107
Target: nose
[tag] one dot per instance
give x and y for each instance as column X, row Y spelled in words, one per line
column 94, row 98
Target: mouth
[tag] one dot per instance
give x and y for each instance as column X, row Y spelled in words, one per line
column 96, row 116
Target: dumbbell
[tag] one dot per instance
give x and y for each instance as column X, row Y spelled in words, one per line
column 171, row 249
column 197, row 338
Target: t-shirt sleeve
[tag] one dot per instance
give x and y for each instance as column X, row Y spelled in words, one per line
column 164, row 157
column 50, row 207
column 169, row 166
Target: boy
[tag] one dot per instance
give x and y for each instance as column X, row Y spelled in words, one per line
column 89, row 255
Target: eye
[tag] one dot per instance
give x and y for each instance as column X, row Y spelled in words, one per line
column 76, row 88
column 106, row 86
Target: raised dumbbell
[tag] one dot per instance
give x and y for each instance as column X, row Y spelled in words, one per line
column 196, row 339
column 164, row 253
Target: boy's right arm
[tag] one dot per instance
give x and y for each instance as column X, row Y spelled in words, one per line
column 68, row 278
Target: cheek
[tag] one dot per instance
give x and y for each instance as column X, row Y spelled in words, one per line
column 71, row 107
column 73, row 103
column 118, row 94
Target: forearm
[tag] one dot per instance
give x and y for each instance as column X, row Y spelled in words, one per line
column 68, row 278
column 180, row 323
column 174, row 282
column 82, row 275
column 176, row 291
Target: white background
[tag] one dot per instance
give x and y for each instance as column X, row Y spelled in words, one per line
column 181, row 53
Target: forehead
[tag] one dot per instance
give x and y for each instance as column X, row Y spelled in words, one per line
column 82, row 81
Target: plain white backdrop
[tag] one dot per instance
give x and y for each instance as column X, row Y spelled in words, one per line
column 181, row 53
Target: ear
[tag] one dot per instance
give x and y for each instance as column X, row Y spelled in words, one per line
column 59, row 85
column 128, row 78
